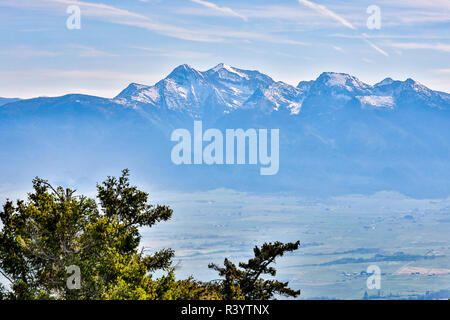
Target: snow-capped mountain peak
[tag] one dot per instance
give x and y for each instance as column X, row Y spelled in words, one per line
column 185, row 89
column 224, row 88
column 225, row 68
column 185, row 72
column 384, row 82
column 135, row 92
column 277, row 96
column 343, row 80
column 416, row 86
column 227, row 73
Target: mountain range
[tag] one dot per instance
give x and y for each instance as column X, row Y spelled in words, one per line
column 224, row 89
column 337, row 133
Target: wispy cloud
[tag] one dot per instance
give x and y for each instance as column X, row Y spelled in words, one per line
column 24, row 51
column 424, row 4
column 33, row 82
column 367, row 60
column 442, row 71
column 224, row 10
column 414, row 17
column 287, row 13
column 27, row 52
column 337, row 48
column 414, row 12
column 393, row 36
column 104, row 74
column 119, row 16
column 90, row 52
column 373, row 45
column 327, row 12
column 173, row 53
column 116, row 15
column 97, row 9
column 419, row 46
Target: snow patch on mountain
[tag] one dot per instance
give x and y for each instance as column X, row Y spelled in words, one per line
column 384, row 82
column 223, row 89
column 224, row 70
column 277, row 96
column 376, row 101
column 342, row 80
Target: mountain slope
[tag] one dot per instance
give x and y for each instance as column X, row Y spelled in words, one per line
column 343, row 89
column 224, row 89
column 197, row 94
column 4, row 101
column 338, row 135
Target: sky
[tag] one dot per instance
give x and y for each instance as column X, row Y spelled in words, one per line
column 141, row 41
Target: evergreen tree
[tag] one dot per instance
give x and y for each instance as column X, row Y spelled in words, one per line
column 246, row 283
column 54, row 230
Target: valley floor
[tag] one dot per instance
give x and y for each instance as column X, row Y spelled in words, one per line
column 341, row 237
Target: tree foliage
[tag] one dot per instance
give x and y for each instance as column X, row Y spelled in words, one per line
column 245, row 282
column 55, row 229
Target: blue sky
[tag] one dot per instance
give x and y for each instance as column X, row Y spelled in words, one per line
column 143, row 40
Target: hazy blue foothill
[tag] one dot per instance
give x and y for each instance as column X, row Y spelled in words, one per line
column 364, row 172
column 338, row 135
column 4, row 101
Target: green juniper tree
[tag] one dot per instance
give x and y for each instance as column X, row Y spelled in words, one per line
column 246, row 283
column 55, row 229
